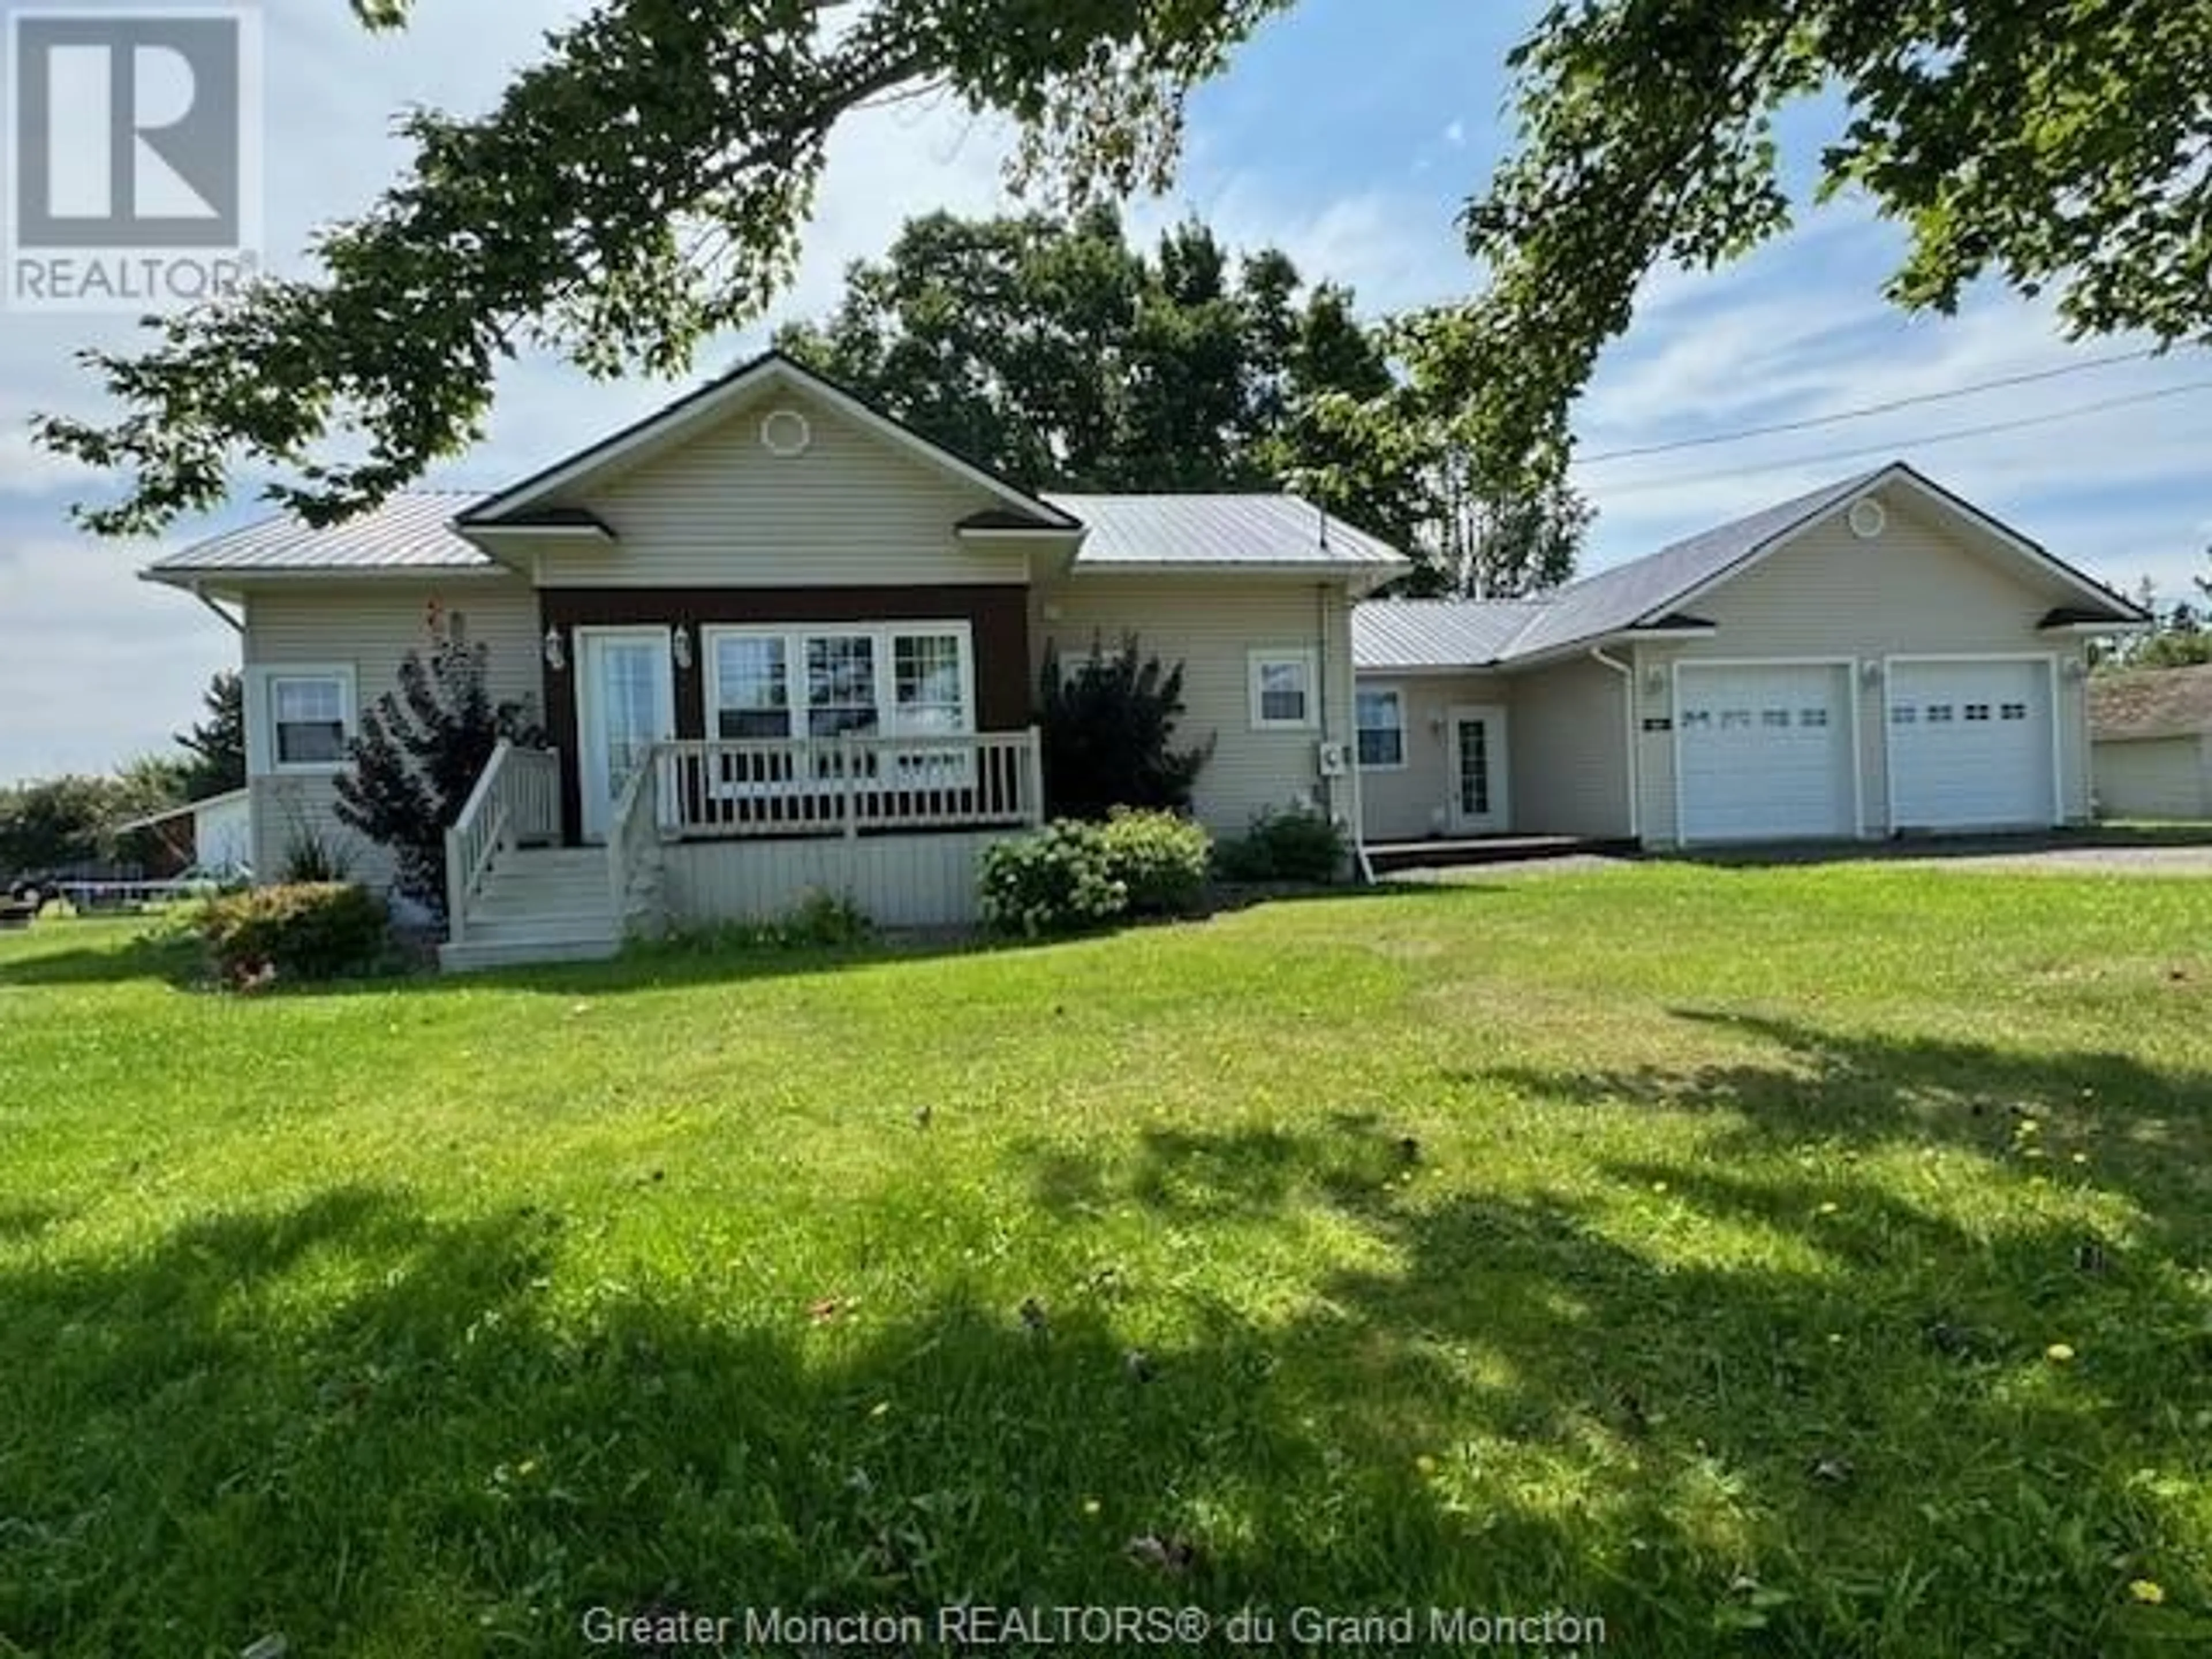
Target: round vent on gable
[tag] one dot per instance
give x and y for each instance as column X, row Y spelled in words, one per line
column 785, row 432
column 1868, row 519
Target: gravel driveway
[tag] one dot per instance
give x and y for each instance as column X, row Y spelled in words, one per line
column 2013, row 856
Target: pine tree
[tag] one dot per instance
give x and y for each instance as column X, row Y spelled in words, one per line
column 217, row 744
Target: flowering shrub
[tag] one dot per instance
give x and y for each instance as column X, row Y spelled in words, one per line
column 1161, row 858
column 1059, row 880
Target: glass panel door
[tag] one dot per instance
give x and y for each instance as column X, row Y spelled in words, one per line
column 1478, row 771
column 627, row 690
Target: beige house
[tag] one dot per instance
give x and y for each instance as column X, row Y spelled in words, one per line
column 2150, row 734
column 1877, row 658
column 780, row 642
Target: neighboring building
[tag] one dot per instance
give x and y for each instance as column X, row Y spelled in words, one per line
column 2151, row 737
column 1876, row 657
column 214, row 836
column 780, row 641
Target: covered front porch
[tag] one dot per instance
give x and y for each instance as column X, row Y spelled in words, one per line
column 706, row 831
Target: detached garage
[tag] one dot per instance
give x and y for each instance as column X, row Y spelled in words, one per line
column 2151, row 737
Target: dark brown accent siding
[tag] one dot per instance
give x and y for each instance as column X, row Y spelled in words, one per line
column 997, row 615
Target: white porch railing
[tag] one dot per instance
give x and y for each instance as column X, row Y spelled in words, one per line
column 518, row 798
column 850, row 785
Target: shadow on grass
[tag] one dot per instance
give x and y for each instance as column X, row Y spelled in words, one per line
column 370, row 1431
column 1850, row 1439
column 2146, row 1130
column 59, row 955
column 376, row 1430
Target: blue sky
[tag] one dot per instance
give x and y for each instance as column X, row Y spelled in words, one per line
column 1351, row 145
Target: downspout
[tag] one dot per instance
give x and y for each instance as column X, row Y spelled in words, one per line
column 1635, row 760
column 1360, row 862
column 235, row 624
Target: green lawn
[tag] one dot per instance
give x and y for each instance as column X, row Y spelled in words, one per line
column 1698, row 1250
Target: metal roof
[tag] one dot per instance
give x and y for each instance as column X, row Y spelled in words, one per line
column 412, row 532
column 415, row 531
column 1184, row 531
column 2151, row 702
column 1408, row 633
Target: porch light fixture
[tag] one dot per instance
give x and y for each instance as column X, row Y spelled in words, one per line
column 1870, row 672
column 2073, row 668
column 557, row 653
column 680, row 643
column 1655, row 682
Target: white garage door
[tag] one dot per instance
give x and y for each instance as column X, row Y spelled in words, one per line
column 1970, row 745
column 1766, row 752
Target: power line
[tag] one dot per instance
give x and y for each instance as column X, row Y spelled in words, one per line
column 1928, row 440
column 1865, row 411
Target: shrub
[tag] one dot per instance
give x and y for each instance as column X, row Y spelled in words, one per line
column 1108, row 724
column 1299, row 844
column 1160, row 857
column 311, row 931
column 819, row 921
column 1059, row 880
column 420, row 751
column 313, row 857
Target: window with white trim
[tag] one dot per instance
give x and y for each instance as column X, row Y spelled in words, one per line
column 769, row 685
column 1381, row 723
column 305, row 718
column 753, row 700
column 1283, row 695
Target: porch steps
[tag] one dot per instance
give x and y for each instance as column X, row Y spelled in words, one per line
column 539, row 905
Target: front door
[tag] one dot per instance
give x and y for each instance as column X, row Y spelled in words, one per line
column 1478, row 771
column 625, row 703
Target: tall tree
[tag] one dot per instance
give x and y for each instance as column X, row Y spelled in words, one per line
column 216, row 743
column 647, row 182
column 1052, row 351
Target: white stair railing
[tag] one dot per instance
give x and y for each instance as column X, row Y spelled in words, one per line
column 517, row 799
column 632, row 830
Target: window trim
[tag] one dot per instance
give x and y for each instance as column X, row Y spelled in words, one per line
column 883, row 637
column 261, row 716
column 1398, row 694
column 1308, row 661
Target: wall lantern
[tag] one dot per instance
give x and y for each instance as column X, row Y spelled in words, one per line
column 556, row 654
column 1655, row 682
column 1870, row 672
column 2073, row 668
column 680, row 642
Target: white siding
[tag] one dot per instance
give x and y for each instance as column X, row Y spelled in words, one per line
column 897, row 881
column 1569, row 737
column 371, row 628
column 2154, row 777
column 1410, row 803
column 1919, row 589
column 1211, row 626
column 721, row 511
